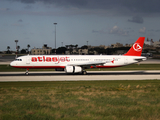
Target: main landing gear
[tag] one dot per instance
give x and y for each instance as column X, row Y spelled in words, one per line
column 84, row 72
column 27, row 71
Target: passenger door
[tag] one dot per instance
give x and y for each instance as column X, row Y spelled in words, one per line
column 28, row 60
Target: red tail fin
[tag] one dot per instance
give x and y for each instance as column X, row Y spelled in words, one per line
column 137, row 47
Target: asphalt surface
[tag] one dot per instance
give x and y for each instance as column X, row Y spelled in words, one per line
column 91, row 76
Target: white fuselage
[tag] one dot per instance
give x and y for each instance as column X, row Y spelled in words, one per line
column 61, row 61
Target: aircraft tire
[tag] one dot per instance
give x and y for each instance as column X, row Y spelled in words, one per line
column 26, row 73
column 84, row 72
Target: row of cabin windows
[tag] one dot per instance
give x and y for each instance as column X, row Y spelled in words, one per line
column 80, row 60
column 101, row 59
column 88, row 59
column 76, row 59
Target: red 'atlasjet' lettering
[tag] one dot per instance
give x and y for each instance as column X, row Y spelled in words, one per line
column 34, row 59
column 54, row 59
column 50, row 59
column 39, row 59
column 62, row 59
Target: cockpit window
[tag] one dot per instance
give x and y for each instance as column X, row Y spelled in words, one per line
column 18, row 59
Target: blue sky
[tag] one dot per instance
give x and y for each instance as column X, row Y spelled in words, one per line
column 101, row 22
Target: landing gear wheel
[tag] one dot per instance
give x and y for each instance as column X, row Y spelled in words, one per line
column 27, row 71
column 84, row 72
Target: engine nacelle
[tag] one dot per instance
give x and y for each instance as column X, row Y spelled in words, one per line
column 73, row 69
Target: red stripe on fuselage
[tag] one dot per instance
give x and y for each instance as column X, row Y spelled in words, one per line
column 39, row 67
column 53, row 67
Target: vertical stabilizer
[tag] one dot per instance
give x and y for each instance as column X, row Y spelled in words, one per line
column 137, row 47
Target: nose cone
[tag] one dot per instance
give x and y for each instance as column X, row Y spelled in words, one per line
column 12, row 63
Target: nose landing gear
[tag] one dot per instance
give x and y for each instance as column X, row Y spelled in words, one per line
column 27, row 71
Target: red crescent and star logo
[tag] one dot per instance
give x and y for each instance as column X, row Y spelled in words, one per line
column 137, row 47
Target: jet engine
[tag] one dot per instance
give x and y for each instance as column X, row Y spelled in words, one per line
column 73, row 69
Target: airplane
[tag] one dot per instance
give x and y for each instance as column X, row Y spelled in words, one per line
column 72, row 64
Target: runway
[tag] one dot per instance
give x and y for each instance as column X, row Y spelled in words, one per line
column 91, row 75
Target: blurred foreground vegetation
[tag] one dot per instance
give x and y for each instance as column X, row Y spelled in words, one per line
column 111, row 100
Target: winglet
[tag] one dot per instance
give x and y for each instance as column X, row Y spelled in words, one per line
column 137, row 47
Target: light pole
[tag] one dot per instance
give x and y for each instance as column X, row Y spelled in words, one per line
column 55, row 36
column 87, row 46
column 16, row 41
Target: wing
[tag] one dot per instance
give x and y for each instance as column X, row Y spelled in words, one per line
column 140, row 59
column 88, row 64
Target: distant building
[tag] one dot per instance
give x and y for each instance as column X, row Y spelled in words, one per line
column 156, row 44
column 128, row 45
column 42, row 51
column 77, row 51
column 149, row 42
column 83, row 51
column 116, row 45
column 100, row 46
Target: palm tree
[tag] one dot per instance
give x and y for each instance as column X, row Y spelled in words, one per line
column 67, row 46
column 8, row 47
column 28, row 47
column 76, row 46
column 71, row 46
column 18, row 47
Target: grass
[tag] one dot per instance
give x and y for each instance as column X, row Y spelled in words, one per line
column 113, row 100
column 7, row 68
